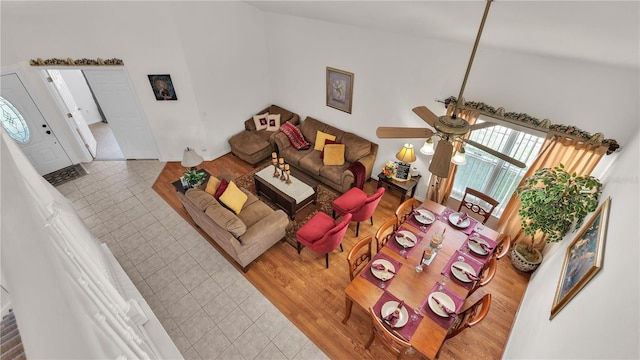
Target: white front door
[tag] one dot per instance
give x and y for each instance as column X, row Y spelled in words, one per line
column 73, row 111
column 37, row 140
column 120, row 106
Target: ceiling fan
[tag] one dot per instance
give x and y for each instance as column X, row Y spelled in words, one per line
column 449, row 128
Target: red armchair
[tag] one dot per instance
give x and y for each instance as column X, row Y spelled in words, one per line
column 323, row 234
column 357, row 203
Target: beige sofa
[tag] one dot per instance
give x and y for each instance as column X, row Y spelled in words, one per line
column 253, row 145
column 338, row 177
column 243, row 237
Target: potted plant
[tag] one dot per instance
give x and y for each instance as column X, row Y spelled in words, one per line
column 193, row 177
column 553, row 201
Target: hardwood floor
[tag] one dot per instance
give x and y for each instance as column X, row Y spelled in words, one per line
column 312, row 297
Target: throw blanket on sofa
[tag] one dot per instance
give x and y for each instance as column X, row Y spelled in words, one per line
column 359, row 173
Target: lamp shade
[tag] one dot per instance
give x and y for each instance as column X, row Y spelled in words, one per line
column 406, row 154
column 459, row 158
column 191, row 159
column 427, row 148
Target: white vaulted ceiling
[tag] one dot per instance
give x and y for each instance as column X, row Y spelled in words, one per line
column 595, row 31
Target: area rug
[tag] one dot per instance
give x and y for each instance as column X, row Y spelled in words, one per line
column 323, row 203
column 64, row 175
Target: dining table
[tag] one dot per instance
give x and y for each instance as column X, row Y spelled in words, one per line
column 426, row 331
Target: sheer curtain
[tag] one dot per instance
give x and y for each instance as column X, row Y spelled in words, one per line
column 440, row 188
column 578, row 157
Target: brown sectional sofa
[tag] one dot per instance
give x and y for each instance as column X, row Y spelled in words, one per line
column 338, row 177
column 253, row 145
column 244, row 236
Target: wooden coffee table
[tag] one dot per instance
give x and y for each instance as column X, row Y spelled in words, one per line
column 289, row 197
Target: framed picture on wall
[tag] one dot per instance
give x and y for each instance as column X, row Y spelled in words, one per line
column 163, row 87
column 339, row 89
column 583, row 258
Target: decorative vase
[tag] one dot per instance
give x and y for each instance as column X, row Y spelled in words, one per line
column 520, row 263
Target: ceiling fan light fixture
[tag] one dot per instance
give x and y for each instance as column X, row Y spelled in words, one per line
column 406, row 154
column 460, row 158
column 427, row 148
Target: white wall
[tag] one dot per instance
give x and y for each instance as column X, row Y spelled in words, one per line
column 82, row 95
column 602, row 320
column 395, row 73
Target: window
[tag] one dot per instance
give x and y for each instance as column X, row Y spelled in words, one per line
column 13, row 122
column 490, row 175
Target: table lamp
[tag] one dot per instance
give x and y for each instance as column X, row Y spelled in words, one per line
column 191, row 159
column 406, row 154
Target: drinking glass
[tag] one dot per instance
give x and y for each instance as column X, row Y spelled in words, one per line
column 443, row 282
column 416, row 312
column 382, row 284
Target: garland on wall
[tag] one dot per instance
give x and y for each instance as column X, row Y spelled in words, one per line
column 534, row 123
column 76, row 62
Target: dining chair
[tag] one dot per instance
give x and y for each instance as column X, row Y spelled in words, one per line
column 387, row 337
column 357, row 259
column 323, row 234
column 478, row 203
column 471, row 316
column 405, row 209
column 357, row 203
column 487, row 273
column 502, row 247
column 385, row 232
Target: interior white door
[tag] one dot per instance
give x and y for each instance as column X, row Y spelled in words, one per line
column 73, row 111
column 118, row 100
column 41, row 146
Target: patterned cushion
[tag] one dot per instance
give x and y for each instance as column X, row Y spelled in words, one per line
column 273, row 122
column 295, row 137
column 261, row 121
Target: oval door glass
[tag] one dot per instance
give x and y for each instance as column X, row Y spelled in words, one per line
column 13, row 122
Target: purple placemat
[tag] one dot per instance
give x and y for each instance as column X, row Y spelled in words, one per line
column 468, row 229
column 393, row 244
column 411, row 220
column 367, row 274
column 411, row 326
column 475, row 264
column 445, row 322
column 481, row 258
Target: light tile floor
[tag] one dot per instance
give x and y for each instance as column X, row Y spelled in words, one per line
column 207, row 307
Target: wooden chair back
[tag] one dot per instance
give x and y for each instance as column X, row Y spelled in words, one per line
column 405, row 209
column 359, row 256
column 472, row 201
column 385, row 232
column 387, row 337
column 488, row 272
column 503, row 246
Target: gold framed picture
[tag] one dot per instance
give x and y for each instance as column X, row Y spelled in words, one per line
column 583, row 258
column 339, row 89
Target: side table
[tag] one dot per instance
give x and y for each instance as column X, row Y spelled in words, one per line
column 178, row 184
column 403, row 186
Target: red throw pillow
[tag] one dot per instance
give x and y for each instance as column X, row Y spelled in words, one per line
column 223, row 186
column 296, row 138
column 327, row 141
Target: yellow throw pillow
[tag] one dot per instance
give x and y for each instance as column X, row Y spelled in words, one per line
column 320, row 138
column 212, row 185
column 233, row 198
column 333, row 154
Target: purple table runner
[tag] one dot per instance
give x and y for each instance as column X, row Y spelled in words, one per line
column 475, row 264
column 445, row 322
column 411, row 326
column 367, row 274
column 393, row 244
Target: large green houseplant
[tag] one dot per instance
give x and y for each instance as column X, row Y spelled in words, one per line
column 553, row 200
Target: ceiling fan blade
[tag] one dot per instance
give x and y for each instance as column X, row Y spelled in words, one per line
column 483, row 125
column 441, row 161
column 403, row 132
column 497, row 154
column 425, row 114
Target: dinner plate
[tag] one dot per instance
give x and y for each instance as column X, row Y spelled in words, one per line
column 444, row 300
column 460, row 275
column 454, row 217
column 425, row 217
column 383, row 274
column 391, row 306
column 403, row 241
column 475, row 246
